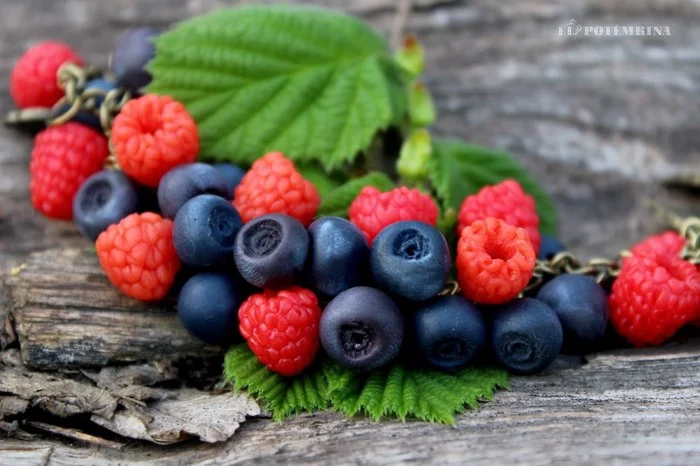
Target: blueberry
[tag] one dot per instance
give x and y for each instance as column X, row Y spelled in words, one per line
column 338, row 256
column 204, row 230
column 232, row 174
column 362, row 329
column 549, row 247
column 186, row 181
column 582, row 307
column 410, row 259
column 208, row 307
column 133, row 51
column 270, row 251
column 526, row 336
column 449, row 332
column 104, row 199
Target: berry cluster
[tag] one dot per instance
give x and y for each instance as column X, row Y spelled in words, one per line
column 259, row 264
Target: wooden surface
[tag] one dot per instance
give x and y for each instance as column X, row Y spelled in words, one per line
column 599, row 120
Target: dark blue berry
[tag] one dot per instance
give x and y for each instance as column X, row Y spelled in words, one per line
column 102, row 200
column 270, row 251
column 582, row 307
column 337, row 257
column 133, row 51
column 208, row 307
column 526, row 336
column 449, row 332
column 204, row 230
column 549, row 247
column 232, row 174
column 410, row 259
column 184, row 182
column 362, row 329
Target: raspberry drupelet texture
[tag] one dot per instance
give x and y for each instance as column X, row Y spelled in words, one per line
column 495, row 261
column 373, row 210
column 669, row 243
column 273, row 185
column 653, row 297
column 63, row 157
column 282, row 328
column 505, row 200
column 138, row 256
column 33, row 82
column 151, row 135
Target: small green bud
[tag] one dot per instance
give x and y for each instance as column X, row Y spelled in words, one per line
column 414, row 156
column 410, row 56
column 421, row 109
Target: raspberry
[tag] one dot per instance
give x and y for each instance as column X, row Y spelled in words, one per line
column 653, row 297
column 273, row 185
column 63, row 157
column 33, row 82
column 669, row 243
column 138, row 256
column 281, row 328
column 505, row 200
column 151, row 135
column 373, row 210
column 495, row 261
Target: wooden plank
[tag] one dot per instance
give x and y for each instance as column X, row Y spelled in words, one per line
column 67, row 314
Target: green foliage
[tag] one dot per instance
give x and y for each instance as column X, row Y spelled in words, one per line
column 315, row 84
column 396, row 391
column 403, row 392
column 325, row 183
column 458, row 169
column 338, row 201
column 282, row 396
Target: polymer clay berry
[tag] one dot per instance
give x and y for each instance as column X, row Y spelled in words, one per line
column 653, row 297
column 410, row 259
column 362, row 329
column 151, row 135
column 33, row 81
column 133, row 51
column 186, row 181
column 233, row 174
column 506, row 201
column 549, row 247
column 281, row 328
column 668, row 243
column 495, row 261
column 138, row 256
column 62, row 159
column 273, row 185
column 373, row 210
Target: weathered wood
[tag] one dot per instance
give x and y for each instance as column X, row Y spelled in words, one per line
column 632, row 406
column 67, row 314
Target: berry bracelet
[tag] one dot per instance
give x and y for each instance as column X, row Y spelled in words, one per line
column 363, row 277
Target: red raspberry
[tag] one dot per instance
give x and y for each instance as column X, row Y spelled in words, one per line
column 373, row 210
column 138, row 256
column 495, row 261
column 653, row 297
column 505, row 200
column 273, row 185
column 62, row 158
column 33, row 82
column 669, row 243
column 151, row 135
column 282, row 328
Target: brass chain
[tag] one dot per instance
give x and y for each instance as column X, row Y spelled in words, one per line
column 689, row 228
column 566, row 262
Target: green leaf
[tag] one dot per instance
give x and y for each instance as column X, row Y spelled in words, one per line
column 457, row 169
column 315, row 84
column 282, row 396
column 404, row 392
column 337, row 202
column 325, row 183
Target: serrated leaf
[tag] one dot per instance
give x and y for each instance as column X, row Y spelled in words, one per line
column 282, row 396
column 337, row 202
column 405, row 392
column 457, row 170
column 315, row 84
